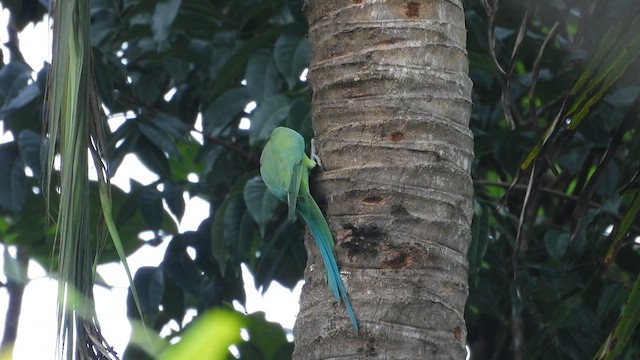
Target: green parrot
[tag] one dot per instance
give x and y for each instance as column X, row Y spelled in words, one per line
column 285, row 170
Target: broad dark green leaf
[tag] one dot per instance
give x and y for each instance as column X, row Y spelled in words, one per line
column 26, row 11
column 178, row 68
column 266, row 340
column 26, row 95
column 247, row 238
column 13, row 77
column 235, row 64
column 232, row 221
column 12, row 178
column 171, row 125
column 224, row 109
column 173, row 302
column 291, row 54
column 281, row 256
column 163, row 16
column 158, row 137
column 175, row 201
column 181, row 269
column 219, row 247
column 262, row 76
column 299, row 117
column 260, row 202
column 150, row 205
column 32, row 150
column 151, row 156
column 268, row 116
column 557, row 242
column 149, row 282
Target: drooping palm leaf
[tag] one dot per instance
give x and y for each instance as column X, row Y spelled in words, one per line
column 74, row 126
column 617, row 50
column 624, row 330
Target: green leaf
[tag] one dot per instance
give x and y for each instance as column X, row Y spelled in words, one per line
column 128, row 145
column 151, row 156
column 224, row 109
column 626, row 327
column 245, row 237
column 479, row 243
column 178, row 68
column 163, row 16
column 623, row 228
column 158, row 137
column 262, row 76
column 282, row 255
column 267, row 340
column 299, row 118
column 268, row 116
column 149, row 282
column 220, row 248
column 557, row 242
column 291, row 54
column 232, row 221
column 26, row 95
column 175, row 201
column 13, row 77
column 260, row 202
column 209, row 337
column 234, row 65
column 12, row 178
column 32, row 150
column 15, row 270
column 173, row 302
column 171, row 125
column 150, row 204
column 181, row 269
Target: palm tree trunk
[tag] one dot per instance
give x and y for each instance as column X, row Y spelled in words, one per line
column 391, row 110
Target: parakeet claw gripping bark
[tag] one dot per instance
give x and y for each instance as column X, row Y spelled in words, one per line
column 314, row 155
column 285, row 170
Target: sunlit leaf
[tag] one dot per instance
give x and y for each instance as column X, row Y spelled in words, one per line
column 209, row 337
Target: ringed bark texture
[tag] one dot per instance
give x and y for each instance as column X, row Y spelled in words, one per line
column 391, row 109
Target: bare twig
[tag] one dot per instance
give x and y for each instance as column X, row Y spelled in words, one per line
column 556, row 193
column 536, row 71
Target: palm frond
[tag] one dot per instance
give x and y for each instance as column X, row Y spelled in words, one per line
column 75, row 126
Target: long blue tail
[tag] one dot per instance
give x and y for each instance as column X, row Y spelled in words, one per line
column 312, row 216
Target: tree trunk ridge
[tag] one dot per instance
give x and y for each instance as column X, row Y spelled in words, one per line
column 391, row 107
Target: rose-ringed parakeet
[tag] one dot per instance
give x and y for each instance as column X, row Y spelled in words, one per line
column 284, row 167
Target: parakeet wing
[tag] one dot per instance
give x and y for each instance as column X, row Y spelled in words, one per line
column 294, row 189
column 280, row 156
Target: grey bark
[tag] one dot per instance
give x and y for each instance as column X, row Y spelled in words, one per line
column 391, row 107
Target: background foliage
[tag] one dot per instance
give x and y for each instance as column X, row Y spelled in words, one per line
column 182, row 73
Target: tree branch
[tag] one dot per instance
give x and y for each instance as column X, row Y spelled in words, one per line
column 14, row 42
column 556, row 193
column 15, row 289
